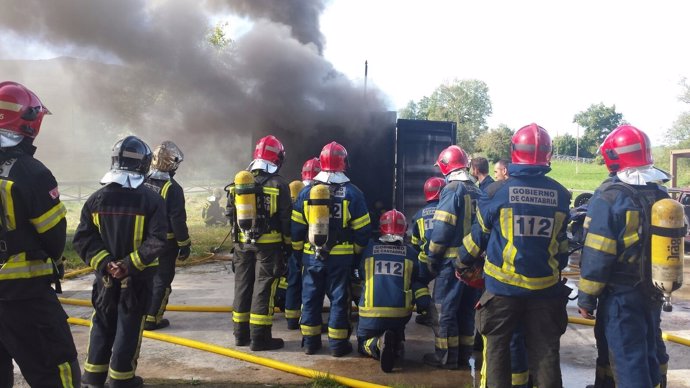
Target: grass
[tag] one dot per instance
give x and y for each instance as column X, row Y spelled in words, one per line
column 578, row 176
column 325, row 381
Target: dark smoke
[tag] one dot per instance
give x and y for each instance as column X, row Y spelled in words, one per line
column 145, row 67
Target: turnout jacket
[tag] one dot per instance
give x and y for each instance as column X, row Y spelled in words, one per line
column 349, row 225
column 391, row 281
column 273, row 207
column 33, row 223
column 521, row 224
column 120, row 223
column 422, row 225
column 452, row 220
column 173, row 194
column 617, row 227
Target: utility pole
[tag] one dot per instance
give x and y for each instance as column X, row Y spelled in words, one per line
column 366, row 72
column 577, row 150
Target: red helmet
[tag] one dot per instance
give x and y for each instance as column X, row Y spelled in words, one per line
column 531, row 144
column 392, row 222
column 432, row 188
column 333, row 158
column 451, row 159
column 21, row 111
column 270, row 149
column 626, row 147
column 310, row 168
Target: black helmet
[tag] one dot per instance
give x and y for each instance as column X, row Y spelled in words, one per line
column 131, row 154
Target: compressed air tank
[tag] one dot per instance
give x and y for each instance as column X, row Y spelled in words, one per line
column 245, row 201
column 318, row 215
column 667, row 232
column 295, row 188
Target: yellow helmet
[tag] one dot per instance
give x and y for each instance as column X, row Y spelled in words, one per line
column 167, row 157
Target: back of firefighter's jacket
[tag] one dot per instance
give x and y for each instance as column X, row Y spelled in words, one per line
column 273, row 208
column 422, row 225
column 349, row 224
column 521, row 222
column 34, row 225
column 452, row 220
column 616, row 245
column 120, row 223
column 173, row 194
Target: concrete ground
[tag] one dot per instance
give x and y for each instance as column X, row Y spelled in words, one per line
column 211, row 284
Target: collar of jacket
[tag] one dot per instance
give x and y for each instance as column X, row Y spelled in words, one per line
column 160, row 175
column 460, row 175
column 527, row 170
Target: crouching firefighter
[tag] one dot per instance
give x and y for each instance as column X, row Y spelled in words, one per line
column 631, row 262
column 33, row 326
column 390, row 272
column 121, row 234
column 166, row 159
column 330, row 227
column 259, row 208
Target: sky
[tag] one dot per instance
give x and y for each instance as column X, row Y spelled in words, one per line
column 543, row 61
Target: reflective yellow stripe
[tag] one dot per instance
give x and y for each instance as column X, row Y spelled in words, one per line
column 554, row 245
column 292, row 313
column 272, row 237
column 441, row 343
column 406, row 282
column 484, row 367
column 11, row 106
column 472, row 248
column 451, row 253
column 586, row 223
column 423, row 258
column 563, row 247
column 95, row 368
column 358, row 249
column 18, row 267
column 521, row 378
column 297, row 245
column 414, row 240
column 346, row 213
column 591, row 287
column 164, row 189
column 271, row 298
column 96, row 260
column 466, row 340
column 151, row 318
column 338, row 334
column 444, row 216
column 138, row 231
column 287, row 240
column 367, row 346
column 509, row 250
column 49, row 219
column 115, row 375
column 385, row 312
column 368, row 284
column 436, row 248
column 184, row 243
column 480, row 220
column 240, row 317
column 95, row 217
column 600, row 243
column 467, row 217
column 360, row 222
column 298, row 217
column 170, row 235
column 65, row 371
column 263, row 320
column 518, row 280
column 453, row 341
column 8, row 202
column 632, row 223
column 282, row 283
column 310, row 330
column 136, row 260
column 340, row 249
column 421, row 292
column 271, row 190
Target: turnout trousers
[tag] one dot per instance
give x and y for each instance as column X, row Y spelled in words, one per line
column 293, row 294
column 34, row 332
column 257, row 271
column 116, row 327
column 544, row 320
column 455, row 302
column 329, row 277
column 162, row 282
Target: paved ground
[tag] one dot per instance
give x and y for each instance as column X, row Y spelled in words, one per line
column 211, row 284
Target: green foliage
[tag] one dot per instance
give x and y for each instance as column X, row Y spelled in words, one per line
column 598, row 121
column 217, row 37
column 325, row 381
column 577, row 175
column 679, row 133
column 565, row 145
column 495, row 144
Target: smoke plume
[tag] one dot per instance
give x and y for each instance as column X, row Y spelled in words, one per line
column 146, row 68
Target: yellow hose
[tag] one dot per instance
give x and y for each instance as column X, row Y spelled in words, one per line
column 77, row 272
column 279, row 365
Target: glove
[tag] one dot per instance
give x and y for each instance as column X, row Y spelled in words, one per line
column 60, row 265
column 105, row 295
column 184, row 253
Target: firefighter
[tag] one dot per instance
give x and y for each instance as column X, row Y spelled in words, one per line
column 259, row 208
column 422, row 225
column 521, row 226
column 293, row 292
column 390, row 271
column 32, row 238
column 166, row 159
column 211, row 212
column 615, row 276
column 121, row 234
column 480, row 171
column 330, row 227
column 453, row 299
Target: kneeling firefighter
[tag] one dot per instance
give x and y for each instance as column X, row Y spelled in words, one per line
column 121, row 234
column 331, row 215
column 166, row 159
column 259, row 208
column 631, row 262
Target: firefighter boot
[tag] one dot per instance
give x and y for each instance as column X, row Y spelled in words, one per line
column 241, row 333
column 155, row 326
column 134, row 382
column 387, row 344
column 311, row 344
column 342, row 350
column 93, row 380
column 262, row 339
column 434, row 360
column 464, row 355
column 293, row 323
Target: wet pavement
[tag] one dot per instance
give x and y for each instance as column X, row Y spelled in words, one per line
column 211, row 284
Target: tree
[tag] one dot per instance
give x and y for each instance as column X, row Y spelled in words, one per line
column 598, row 121
column 564, row 145
column 495, row 144
column 217, row 37
column 679, row 133
column 416, row 110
